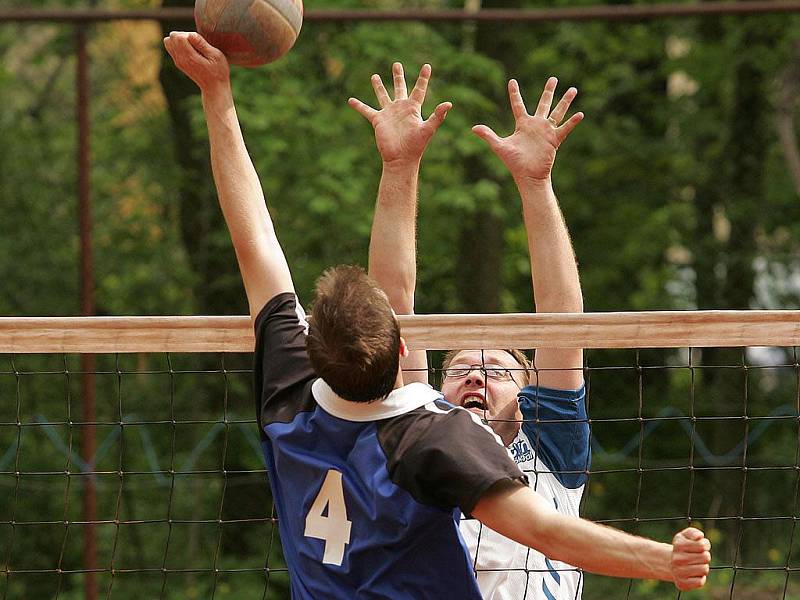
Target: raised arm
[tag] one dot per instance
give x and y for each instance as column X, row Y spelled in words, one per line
column 519, row 513
column 401, row 136
column 261, row 260
column 529, row 154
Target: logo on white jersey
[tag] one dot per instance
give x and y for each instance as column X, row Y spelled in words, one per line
column 520, row 451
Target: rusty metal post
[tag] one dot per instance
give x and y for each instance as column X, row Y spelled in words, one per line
column 597, row 12
column 88, row 443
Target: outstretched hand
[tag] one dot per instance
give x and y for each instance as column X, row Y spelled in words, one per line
column 206, row 65
column 400, row 132
column 691, row 555
column 529, row 152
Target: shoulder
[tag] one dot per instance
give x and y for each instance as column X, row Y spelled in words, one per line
column 437, row 422
column 534, row 392
column 551, row 403
column 283, row 308
column 282, row 370
column 556, row 429
column 444, row 456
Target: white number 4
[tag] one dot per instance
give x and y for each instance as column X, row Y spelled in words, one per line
column 333, row 528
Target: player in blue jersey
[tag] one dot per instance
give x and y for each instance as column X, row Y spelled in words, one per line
column 544, row 425
column 369, row 475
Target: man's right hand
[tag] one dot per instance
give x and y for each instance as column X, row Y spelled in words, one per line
column 400, row 132
column 203, row 63
column 691, row 556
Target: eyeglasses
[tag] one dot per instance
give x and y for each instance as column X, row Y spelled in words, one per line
column 495, row 372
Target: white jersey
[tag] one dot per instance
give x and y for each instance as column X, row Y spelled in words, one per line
column 555, row 456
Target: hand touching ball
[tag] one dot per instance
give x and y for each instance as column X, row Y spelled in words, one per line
column 250, row 32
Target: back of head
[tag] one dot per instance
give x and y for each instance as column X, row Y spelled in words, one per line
column 353, row 339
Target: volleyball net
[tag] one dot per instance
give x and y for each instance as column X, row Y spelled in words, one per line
column 695, row 419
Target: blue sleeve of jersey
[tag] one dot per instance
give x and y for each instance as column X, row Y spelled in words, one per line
column 556, row 423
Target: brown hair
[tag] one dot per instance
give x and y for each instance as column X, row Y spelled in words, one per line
column 353, row 339
column 518, row 356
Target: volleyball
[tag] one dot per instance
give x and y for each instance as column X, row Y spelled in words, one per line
column 250, row 32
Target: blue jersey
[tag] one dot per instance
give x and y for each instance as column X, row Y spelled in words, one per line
column 368, row 495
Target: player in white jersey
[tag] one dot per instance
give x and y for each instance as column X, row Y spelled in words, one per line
column 551, row 446
column 555, row 456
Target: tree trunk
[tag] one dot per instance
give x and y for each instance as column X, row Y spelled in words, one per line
column 728, row 221
column 481, row 240
column 217, row 290
column 787, row 102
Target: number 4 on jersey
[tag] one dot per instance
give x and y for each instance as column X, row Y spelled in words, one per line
column 333, row 528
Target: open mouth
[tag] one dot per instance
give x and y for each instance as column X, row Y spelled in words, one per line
column 474, row 404
column 474, row 401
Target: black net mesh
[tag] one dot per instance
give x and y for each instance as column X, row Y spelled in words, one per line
column 708, row 437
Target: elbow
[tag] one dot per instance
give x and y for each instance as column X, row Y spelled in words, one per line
column 253, row 235
column 253, row 244
column 550, row 538
column 545, row 534
column 559, row 303
column 248, row 248
column 399, row 289
column 402, row 298
column 573, row 304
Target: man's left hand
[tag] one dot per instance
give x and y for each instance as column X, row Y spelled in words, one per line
column 529, row 152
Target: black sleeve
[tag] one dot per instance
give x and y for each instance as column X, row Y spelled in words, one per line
column 446, row 459
column 282, row 368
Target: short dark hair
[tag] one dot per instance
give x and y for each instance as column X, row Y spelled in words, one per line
column 525, row 372
column 353, row 338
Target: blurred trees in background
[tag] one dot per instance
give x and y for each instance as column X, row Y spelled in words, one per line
column 679, row 189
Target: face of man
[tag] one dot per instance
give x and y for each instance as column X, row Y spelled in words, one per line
column 486, row 383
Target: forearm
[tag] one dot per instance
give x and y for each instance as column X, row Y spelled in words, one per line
column 554, row 270
column 238, row 187
column 603, row 550
column 554, row 274
column 262, row 264
column 519, row 513
column 392, row 248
